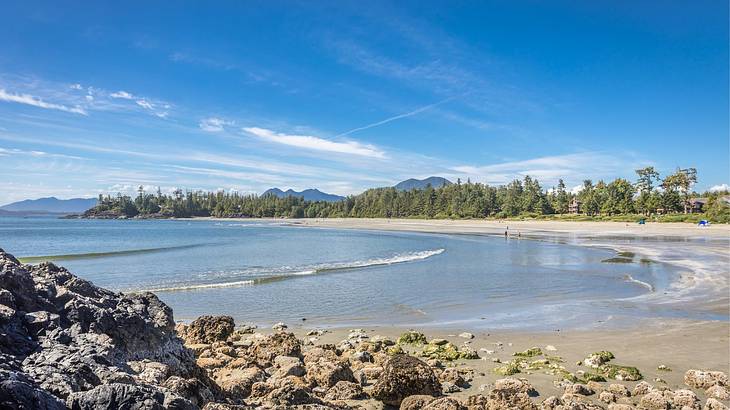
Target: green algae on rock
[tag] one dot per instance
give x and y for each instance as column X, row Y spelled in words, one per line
column 412, row 338
column 394, row 350
column 531, row 352
column 444, row 350
column 625, row 373
column 595, row 360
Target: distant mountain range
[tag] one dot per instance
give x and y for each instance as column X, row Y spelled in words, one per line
column 50, row 205
column 54, row 205
column 307, row 194
column 409, row 184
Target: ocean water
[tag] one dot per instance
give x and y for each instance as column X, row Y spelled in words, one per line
column 265, row 272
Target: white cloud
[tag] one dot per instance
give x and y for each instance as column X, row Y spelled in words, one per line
column 213, row 124
column 144, row 104
column 720, row 188
column 316, row 143
column 576, row 189
column 5, row 152
column 76, row 86
column 28, row 99
column 571, row 167
column 122, row 94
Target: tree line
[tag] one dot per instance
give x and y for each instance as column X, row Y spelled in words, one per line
column 648, row 195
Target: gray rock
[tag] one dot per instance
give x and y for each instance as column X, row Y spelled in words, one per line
column 125, row 396
column 192, row 390
column 62, row 335
column 17, row 391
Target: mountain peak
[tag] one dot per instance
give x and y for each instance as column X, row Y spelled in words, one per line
column 412, row 183
column 51, row 205
column 311, row 194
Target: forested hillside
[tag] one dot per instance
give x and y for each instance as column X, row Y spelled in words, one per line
column 649, row 195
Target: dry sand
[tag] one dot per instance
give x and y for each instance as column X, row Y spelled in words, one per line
column 534, row 228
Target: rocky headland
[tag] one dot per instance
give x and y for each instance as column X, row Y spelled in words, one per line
column 65, row 343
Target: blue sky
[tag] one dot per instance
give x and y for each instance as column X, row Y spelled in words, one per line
column 100, row 97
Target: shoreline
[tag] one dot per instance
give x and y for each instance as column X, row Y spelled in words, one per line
column 701, row 254
column 703, row 251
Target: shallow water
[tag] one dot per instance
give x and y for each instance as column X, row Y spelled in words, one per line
column 265, row 272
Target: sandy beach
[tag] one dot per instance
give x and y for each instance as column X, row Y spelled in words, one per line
column 528, row 227
column 647, row 344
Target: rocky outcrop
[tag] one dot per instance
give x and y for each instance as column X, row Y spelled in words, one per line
column 405, row 376
column 703, row 379
column 508, row 394
column 65, row 340
column 207, row 329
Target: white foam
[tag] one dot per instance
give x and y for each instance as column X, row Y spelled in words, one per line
column 304, row 272
column 203, row 286
column 647, row 285
column 399, row 258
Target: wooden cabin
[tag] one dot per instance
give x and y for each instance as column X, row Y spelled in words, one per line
column 574, row 206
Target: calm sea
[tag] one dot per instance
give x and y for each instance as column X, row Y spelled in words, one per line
column 265, row 272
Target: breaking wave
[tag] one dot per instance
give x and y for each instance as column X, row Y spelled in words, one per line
column 399, row 258
column 274, row 275
column 203, row 286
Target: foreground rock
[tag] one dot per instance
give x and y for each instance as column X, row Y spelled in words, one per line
column 207, row 329
column 405, row 376
column 67, row 342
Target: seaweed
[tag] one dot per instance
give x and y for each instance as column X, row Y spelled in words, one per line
column 412, row 338
column 508, row 369
column 618, row 259
column 531, row 352
column 625, row 373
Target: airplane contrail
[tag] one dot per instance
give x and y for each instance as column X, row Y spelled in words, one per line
column 397, row 117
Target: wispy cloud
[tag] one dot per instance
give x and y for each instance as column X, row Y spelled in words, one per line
column 570, row 167
column 76, row 98
column 122, row 94
column 28, row 99
column 316, row 143
column 213, row 124
column 252, row 73
column 144, row 104
column 397, row 117
column 15, row 152
column 157, row 109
